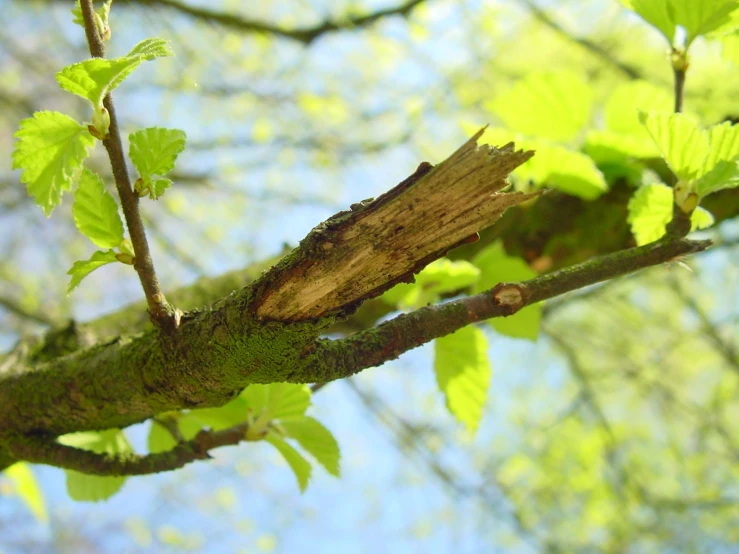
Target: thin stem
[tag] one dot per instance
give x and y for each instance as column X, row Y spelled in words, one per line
column 679, row 89
column 161, row 312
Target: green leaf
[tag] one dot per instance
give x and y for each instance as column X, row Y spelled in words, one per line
column 226, row 416
column 93, row 79
column 463, row 373
column 498, row 267
column 730, row 47
column 50, row 150
column 280, row 400
column 723, row 141
column 82, row 269
column 683, row 145
column 650, row 210
column 622, row 108
column 93, row 488
column 439, row 277
column 723, row 176
column 153, row 151
column 96, row 212
column 160, row 439
column 315, row 439
column 563, row 169
column 555, row 106
column 26, row 487
column 700, row 17
column 658, row 13
column 300, row 466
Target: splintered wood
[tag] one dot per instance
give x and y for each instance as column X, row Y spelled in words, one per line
column 358, row 254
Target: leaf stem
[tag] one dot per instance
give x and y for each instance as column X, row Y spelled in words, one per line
column 161, row 312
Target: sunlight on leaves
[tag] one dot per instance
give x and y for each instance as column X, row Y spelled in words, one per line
column 315, row 439
column 554, row 106
column 650, row 210
column 93, row 79
column 497, row 267
column 463, row 374
column 26, row 487
column 95, row 212
column 280, row 400
column 300, row 466
column 93, row 488
column 82, row 269
column 50, row 149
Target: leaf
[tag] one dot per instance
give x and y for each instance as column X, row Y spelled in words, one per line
column 26, row 487
column 497, row 267
column 723, row 142
column 160, row 439
column 683, row 145
column 92, row 488
column 730, row 47
column 725, row 175
column 700, row 17
column 315, row 439
column 281, row 400
column 657, row 13
column 555, row 106
column 300, row 466
column 439, row 277
column 230, row 414
column 153, row 151
column 82, row 269
column 93, row 79
column 103, row 12
column 96, row 212
column 563, row 169
column 50, row 149
column 463, row 373
column 650, row 210
column 622, row 108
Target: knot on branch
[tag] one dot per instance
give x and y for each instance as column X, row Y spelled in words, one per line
column 511, row 297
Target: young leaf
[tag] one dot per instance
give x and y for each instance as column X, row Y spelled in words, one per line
column 658, row 13
column 26, row 487
column 230, row 414
column 94, row 78
column 50, row 149
column 96, row 212
column 463, row 373
column 700, row 17
column 683, row 145
column 563, row 169
column 554, row 106
column 102, row 13
column 650, row 210
column 82, row 269
column 721, row 166
column 153, row 152
column 315, row 439
column 300, row 466
column 496, row 267
column 438, row 277
column 93, row 488
column 281, row 400
column 160, row 439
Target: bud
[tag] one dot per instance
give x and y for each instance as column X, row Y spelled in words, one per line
column 101, row 123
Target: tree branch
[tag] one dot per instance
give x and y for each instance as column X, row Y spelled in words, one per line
column 43, row 450
column 589, row 45
column 336, row 359
column 161, row 312
column 306, row 35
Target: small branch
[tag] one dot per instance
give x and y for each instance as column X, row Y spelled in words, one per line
column 305, row 35
column 160, row 311
column 41, row 450
column 335, row 359
column 589, row 45
column 14, row 307
column 679, row 70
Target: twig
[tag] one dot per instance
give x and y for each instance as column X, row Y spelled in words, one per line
column 588, row 44
column 305, row 35
column 161, row 312
column 335, row 359
column 44, row 450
